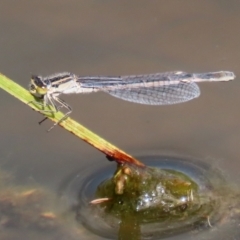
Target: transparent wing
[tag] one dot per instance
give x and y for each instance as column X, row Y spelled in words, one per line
column 158, row 95
column 154, row 89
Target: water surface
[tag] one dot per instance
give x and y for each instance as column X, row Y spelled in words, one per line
column 116, row 38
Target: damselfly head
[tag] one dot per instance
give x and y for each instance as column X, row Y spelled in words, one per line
column 37, row 87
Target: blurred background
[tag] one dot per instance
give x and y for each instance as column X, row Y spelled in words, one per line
column 120, row 38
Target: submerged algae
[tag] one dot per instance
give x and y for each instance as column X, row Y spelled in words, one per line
column 156, row 200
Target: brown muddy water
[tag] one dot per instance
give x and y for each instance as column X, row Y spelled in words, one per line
column 114, row 38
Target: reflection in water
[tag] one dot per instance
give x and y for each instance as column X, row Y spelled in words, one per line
column 208, row 211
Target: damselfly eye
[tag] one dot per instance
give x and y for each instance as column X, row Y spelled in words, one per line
column 38, row 81
column 37, row 86
column 32, row 88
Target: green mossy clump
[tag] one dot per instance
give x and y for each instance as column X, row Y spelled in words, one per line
column 149, row 194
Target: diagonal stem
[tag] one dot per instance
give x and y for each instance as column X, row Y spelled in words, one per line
column 111, row 151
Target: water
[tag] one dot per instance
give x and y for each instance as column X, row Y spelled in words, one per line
column 120, row 38
column 219, row 202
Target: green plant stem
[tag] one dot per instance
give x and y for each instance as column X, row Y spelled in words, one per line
column 111, row 151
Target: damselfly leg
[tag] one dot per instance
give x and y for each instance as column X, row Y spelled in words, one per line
column 55, row 103
column 62, row 104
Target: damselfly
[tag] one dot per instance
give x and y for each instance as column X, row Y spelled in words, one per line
column 153, row 89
